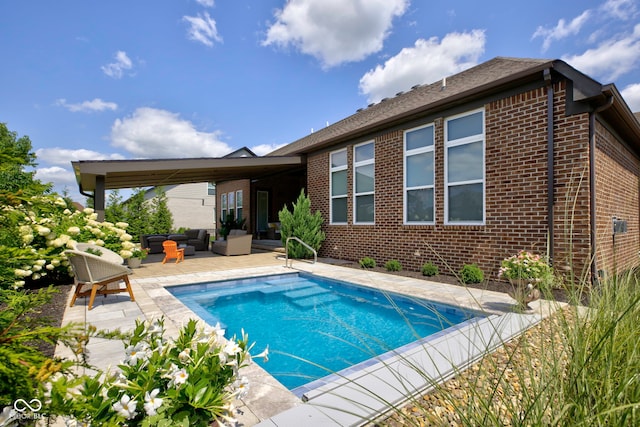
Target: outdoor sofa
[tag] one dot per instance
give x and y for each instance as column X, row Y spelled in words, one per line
column 197, row 237
column 238, row 243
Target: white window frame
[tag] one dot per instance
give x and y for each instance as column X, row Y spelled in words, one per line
column 405, row 190
column 356, row 164
column 223, row 206
column 331, row 196
column 239, row 212
column 481, row 137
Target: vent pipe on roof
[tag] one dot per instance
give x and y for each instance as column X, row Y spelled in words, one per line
column 444, row 83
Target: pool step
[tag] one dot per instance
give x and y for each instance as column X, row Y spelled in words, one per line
column 305, row 292
column 315, row 300
column 269, row 290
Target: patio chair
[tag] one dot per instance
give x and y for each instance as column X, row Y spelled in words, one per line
column 98, row 275
column 171, row 251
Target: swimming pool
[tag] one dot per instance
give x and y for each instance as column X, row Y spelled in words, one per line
column 316, row 326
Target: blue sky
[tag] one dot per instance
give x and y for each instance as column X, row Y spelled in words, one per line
column 198, row 78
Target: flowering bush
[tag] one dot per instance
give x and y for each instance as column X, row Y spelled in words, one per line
column 189, row 381
column 525, row 265
column 37, row 230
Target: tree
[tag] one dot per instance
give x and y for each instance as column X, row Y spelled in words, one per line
column 137, row 215
column 301, row 223
column 161, row 218
column 114, row 211
column 15, row 155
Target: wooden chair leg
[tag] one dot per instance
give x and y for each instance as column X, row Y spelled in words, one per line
column 75, row 294
column 94, row 291
column 128, row 284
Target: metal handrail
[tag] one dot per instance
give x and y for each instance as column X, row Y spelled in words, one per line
column 286, row 250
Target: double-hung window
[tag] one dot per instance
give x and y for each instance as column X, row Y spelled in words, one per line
column 418, row 175
column 464, row 168
column 223, row 206
column 239, row 205
column 232, row 204
column 364, row 183
column 338, row 190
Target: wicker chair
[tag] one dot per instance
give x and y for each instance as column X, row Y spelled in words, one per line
column 98, row 275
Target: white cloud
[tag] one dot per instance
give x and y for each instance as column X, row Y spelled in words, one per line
column 96, row 104
column 202, row 29
column 334, row 31
column 631, row 95
column 425, row 62
column 561, row 30
column 155, row 133
column 611, row 59
column 63, row 156
column 56, row 175
column 117, row 69
column 620, row 9
column 262, row 149
column 205, row 3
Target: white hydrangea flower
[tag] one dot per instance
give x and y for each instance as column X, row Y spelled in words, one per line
column 122, row 225
column 88, row 211
column 73, row 230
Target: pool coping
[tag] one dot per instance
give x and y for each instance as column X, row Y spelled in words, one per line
column 346, row 400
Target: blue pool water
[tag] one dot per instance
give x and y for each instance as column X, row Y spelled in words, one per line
column 315, row 326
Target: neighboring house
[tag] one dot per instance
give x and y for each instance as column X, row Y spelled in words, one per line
column 191, row 205
column 511, row 154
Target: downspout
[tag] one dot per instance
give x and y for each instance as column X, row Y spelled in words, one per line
column 550, row 170
column 592, row 184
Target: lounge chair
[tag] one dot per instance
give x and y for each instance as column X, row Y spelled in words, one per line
column 171, row 251
column 238, row 243
column 98, row 274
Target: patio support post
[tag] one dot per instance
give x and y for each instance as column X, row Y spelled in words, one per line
column 99, row 197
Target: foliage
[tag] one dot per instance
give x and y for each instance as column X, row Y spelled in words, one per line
column 161, row 217
column 23, row 367
column 139, row 252
column 230, row 223
column 304, row 225
column 429, row 269
column 367, row 262
column 471, row 273
column 15, row 155
column 114, row 211
column 525, row 265
column 35, row 232
column 137, row 215
column 189, row 381
column 393, row 265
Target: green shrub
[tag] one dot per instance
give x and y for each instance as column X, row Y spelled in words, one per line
column 471, row 273
column 304, row 225
column 367, row 262
column 429, row 269
column 393, row 265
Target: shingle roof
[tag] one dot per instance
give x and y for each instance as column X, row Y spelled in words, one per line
column 499, row 70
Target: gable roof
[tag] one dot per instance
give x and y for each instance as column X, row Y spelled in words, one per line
column 498, row 74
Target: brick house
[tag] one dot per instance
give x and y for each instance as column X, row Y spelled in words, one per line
column 511, row 154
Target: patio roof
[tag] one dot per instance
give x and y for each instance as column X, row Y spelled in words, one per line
column 157, row 172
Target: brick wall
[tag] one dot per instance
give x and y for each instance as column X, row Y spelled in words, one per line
column 516, row 194
column 617, row 177
column 233, row 186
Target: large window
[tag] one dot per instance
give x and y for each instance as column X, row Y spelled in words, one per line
column 239, row 205
column 223, row 206
column 363, row 183
column 418, row 175
column 211, row 188
column 338, row 185
column 464, row 168
column 232, row 204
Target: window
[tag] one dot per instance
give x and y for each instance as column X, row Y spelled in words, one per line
column 239, row 205
column 464, row 168
column 211, row 188
column 338, row 186
column 232, row 204
column 418, row 175
column 223, row 207
column 363, row 183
